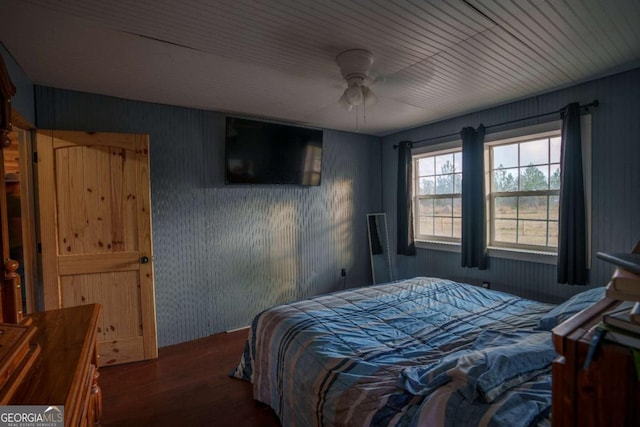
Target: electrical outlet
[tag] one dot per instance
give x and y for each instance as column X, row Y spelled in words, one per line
column 486, row 285
column 343, row 272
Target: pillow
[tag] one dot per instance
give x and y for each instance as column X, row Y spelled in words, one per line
column 573, row 305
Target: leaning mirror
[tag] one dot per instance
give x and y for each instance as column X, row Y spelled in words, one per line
column 379, row 248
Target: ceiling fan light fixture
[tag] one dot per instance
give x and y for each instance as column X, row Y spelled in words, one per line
column 344, row 103
column 355, row 65
column 354, row 94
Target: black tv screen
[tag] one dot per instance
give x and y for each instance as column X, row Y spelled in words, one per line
column 272, row 154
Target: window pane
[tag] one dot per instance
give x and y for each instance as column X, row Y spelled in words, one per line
column 532, row 233
column 554, row 180
column 457, row 207
column 505, row 230
column 443, row 226
column 523, row 168
column 534, row 152
column 553, row 234
column 505, row 156
column 444, row 164
column 457, row 227
column 505, row 207
column 533, row 207
column 457, row 160
column 425, row 207
column 426, row 166
column 437, row 174
column 554, row 207
column 425, row 226
column 457, row 183
column 505, row 180
column 444, row 184
column 443, row 207
column 554, row 149
column 427, row 186
column 534, row 178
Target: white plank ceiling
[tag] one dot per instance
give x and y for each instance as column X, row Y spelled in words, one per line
column 276, row 58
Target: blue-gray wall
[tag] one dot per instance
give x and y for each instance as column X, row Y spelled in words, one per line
column 615, row 186
column 222, row 254
column 23, row 100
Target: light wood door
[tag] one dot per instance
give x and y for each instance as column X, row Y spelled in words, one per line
column 95, row 223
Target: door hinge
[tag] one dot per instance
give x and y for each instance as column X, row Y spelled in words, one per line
column 35, row 157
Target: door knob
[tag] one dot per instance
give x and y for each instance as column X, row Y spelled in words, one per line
column 144, row 260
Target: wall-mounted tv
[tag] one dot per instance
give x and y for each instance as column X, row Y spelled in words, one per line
column 267, row 153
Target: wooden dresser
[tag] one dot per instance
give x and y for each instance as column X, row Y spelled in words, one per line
column 65, row 370
column 608, row 393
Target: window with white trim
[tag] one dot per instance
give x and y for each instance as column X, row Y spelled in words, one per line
column 524, row 191
column 437, row 195
column 522, row 170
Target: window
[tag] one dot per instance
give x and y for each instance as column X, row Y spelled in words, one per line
column 524, row 189
column 437, row 195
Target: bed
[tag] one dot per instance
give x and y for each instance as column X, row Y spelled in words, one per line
column 422, row 351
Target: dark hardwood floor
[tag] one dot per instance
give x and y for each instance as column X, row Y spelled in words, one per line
column 188, row 385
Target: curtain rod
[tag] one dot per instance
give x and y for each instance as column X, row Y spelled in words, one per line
column 594, row 104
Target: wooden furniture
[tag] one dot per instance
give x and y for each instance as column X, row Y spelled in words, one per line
column 65, row 372
column 608, row 392
column 10, row 304
column 7, row 91
column 11, row 294
column 17, row 355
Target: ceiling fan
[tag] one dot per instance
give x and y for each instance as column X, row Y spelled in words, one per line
column 355, row 65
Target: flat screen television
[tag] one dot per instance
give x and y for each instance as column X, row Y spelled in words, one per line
column 267, row 153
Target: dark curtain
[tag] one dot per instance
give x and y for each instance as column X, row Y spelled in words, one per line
column 406, row 244
column 474, row 229
column 572, row 251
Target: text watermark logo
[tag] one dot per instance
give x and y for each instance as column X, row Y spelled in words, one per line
column 31, row 416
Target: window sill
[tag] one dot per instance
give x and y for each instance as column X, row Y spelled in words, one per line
column 539, row 257
column 439, row 246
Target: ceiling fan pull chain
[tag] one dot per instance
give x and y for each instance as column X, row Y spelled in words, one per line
column 364, row 113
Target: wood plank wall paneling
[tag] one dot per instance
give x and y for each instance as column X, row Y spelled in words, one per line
column 615, row 184
column 223, row 254
column 208, row 280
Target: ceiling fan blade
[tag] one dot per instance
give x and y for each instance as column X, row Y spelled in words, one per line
column 369, row 97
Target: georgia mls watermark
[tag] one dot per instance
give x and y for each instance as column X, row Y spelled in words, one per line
column 31, row 416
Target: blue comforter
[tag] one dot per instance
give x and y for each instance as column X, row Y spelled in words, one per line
column 418, row 352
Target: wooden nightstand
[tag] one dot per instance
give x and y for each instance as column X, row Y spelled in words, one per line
column 65, row 370
column 608, row 393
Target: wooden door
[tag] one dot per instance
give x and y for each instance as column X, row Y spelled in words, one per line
column 95, row 224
